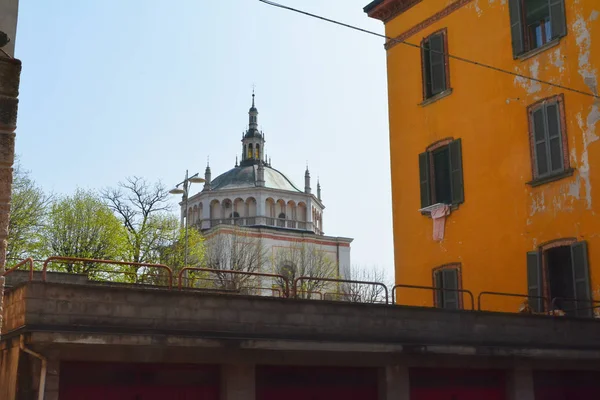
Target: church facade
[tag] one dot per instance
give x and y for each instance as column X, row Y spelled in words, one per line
column 257, row 202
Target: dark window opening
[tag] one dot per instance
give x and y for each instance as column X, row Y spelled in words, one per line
column 435, row 62
column 535, row 23
column 282, row 216
column 441, row 172
column 561, row 276
column 447, row 279
column 234, row 215
column 441, row 175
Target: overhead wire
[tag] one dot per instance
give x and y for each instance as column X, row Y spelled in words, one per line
column 452, row 56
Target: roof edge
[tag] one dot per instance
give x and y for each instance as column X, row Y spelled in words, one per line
column 372, row 5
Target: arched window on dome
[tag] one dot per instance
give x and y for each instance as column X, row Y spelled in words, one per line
column 250, row 151
column 257, row 152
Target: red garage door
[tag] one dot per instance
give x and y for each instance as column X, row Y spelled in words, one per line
column 457, row 384
column 315, row 383
column 566, row 385
column 100, row 381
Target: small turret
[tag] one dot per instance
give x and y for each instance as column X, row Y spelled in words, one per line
column 318, row 190
column 260, row 175
column 307, row 181
column 207, row 177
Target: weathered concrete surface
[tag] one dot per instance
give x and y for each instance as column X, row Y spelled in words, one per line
column 184, row 318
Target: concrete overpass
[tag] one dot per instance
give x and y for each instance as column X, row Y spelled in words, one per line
column 218, row 346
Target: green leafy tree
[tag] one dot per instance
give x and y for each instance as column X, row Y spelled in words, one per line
column 83, row 226
column 28, row 208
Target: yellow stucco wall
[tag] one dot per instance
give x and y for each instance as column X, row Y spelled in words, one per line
column 502, row 217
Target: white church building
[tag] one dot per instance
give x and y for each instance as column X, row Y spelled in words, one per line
column 261, row 202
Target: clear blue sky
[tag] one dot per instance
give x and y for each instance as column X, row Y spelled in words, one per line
column 117, row 88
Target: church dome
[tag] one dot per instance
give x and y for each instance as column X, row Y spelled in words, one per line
column 246, row 177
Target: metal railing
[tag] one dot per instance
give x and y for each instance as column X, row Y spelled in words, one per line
column 28, row 260
column 575, row 310
column 222, row 272
column 435, row 289
column 279, row 285
column 332, row 280
column 524, row 296
column 108, row 262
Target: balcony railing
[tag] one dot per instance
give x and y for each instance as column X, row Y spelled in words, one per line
column 260, row 221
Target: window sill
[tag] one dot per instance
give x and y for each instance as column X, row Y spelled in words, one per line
column 534, row 52
column 435, row 98
column 427, row 210
column 551, row 178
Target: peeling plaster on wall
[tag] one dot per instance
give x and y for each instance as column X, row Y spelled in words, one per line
column 589, row 75
column 530, row 86
column 502, row 2
column 537, row 203
column 477, row 8
column 594, row 15
column 557, row 60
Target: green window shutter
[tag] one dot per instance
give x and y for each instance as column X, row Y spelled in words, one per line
column 450, row 278
column 456, row 172
column 439, row 294
column 581, row 278
column 558, row 20
column 516, row 27
column 424, row 177
column 540, row 142
column 554, row 138
column 437, row 63
column 426, row 66
column 534, row 281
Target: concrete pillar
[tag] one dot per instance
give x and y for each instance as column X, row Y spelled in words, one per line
column 394, row 383
column 238, row 382
column 520, row 384
column 52, row 378
column 10, row 73
column 9, row 367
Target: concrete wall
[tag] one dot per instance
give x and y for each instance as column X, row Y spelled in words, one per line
column 79, row 308
column 8, row 22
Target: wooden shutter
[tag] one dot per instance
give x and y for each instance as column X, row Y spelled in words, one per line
column 456, row 172
column 437, row 63
column 539, row 141
column 424, row 177
column 554, row 138
column 450, row 278
column 581, row 278
column 439, row 294
column 534, row 281
column 426, row 67
column 558, row 21
column 516, row 26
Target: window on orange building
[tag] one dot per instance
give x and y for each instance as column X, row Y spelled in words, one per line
column 559, row 272
column 535, row 23
column 441, row 174
column 447, row 280
column 549, row 151
column 435, row 64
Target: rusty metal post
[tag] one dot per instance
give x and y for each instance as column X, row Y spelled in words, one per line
column 10, row 72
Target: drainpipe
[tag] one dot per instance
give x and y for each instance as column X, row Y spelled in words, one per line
column 42, row 387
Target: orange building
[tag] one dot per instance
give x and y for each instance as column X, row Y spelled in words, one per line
column 495, row 177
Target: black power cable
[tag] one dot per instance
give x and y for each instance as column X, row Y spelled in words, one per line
column 465, row 60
